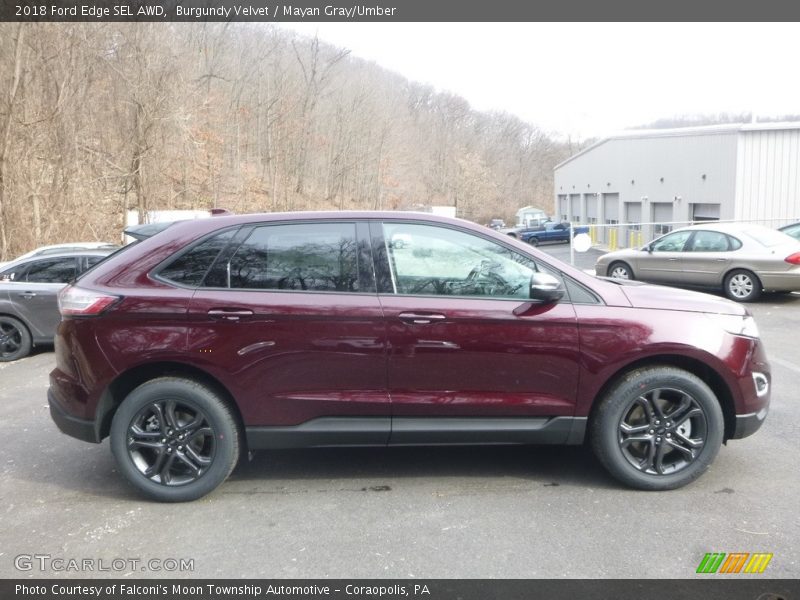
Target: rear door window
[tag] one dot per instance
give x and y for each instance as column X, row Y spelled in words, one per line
column 318, row 257
column 54, row 270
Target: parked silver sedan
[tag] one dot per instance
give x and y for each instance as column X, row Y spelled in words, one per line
column 29, row 297
column 741, row 259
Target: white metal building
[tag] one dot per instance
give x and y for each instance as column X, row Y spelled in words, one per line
column 720, row 172
column 530, row 214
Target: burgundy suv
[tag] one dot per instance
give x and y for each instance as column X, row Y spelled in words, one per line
column 237, row 333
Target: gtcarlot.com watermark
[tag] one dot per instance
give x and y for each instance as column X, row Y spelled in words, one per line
column 62, row 564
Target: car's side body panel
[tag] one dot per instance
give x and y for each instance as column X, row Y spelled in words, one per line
column 302, row 359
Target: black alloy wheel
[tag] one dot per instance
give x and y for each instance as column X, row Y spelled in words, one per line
column 657, row 428
column 663, row 431
column 175, row 439
column 171, row 442
column 15, row 339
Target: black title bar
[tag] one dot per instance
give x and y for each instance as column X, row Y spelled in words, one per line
column 705, row 588
column 276, row 11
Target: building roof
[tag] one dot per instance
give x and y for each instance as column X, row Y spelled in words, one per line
column 684, row 131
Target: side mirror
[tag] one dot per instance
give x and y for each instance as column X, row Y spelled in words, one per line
column 648, row 248
column 545, row 288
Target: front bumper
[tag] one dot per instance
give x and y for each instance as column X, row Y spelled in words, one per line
column 748, row 424
column 73, row 426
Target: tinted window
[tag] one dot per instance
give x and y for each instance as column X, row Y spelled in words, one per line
column 93, row 260
column 56, row 270
column 190, row 268
column 311, row 257
column 11, row 273
column 429, row 260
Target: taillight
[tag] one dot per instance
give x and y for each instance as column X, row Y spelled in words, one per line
column 793, row 259
column 77, row 302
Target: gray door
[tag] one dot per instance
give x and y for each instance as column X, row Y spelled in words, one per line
column 34, row 297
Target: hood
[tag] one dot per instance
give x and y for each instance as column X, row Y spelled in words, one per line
column 644, row 295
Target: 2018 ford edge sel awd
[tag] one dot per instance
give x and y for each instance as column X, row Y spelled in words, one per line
column 317, row 329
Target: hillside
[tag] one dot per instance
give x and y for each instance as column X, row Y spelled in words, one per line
column 98, row 118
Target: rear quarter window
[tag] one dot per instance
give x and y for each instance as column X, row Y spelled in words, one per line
column 190, row 267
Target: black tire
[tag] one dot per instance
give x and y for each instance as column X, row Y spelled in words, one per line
column 15, row 339
column 533, row 241
column 648, row 449
column 512, row 235
column 174, row 439
column 620, row 270
column 742, row 285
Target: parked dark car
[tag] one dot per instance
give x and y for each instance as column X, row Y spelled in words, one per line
column 28, row 297
column 549, row 232
column 62, row 248
column 225, row 335
column 496, row 224
column 792, row 230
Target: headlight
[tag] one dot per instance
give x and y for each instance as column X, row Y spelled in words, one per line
column 744, row 326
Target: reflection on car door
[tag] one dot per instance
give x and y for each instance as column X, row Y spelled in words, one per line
column 459, row 345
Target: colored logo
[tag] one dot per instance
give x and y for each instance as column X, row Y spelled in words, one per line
column 735, row 562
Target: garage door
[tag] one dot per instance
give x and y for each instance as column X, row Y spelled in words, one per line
column 662, row 212
column 705, row 212
column 563, row 207
column 633, row 212
column 611, row 207
column 592, row 210
column 575, row 204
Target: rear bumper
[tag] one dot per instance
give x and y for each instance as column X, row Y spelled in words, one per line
column 73, row 426
column 748, row 424
column 788, row 281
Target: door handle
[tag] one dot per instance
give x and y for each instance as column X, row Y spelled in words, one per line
column 721, row 259
column 229, row 314
column 28, row 295
column 420, row 318
column 672, row 259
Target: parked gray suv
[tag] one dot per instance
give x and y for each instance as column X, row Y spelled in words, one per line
column 29, row 297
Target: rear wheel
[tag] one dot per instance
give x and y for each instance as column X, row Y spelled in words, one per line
column 620, row 270
column 742, row 286
column 658, row 428
column 174, row 439
column 15, row 339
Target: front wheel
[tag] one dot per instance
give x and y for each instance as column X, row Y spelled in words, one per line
column 742, row 286
column 174, row 439
column 534, row 241
column 620, row 270
column 658, row 428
